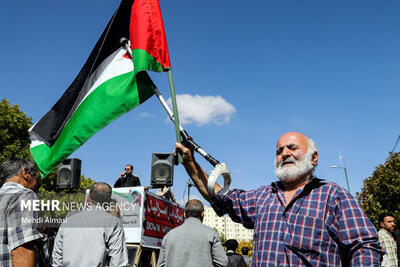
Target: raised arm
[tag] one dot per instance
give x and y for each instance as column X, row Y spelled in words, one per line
column 196, row 173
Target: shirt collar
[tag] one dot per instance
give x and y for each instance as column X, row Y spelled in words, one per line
column 12, row 184
column 386, row 231
column 193, row 219
column 314, row 181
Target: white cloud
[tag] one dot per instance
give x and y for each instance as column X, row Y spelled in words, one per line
column 192, row 196
column 203, row 109
column 145, row 115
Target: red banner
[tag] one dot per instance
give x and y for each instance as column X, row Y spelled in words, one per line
column 161, row 216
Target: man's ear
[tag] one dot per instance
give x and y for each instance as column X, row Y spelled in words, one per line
column 314, row 158
column 24, row 174
column 381, row 224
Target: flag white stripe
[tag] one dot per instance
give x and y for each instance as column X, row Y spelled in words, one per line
column 114, row 65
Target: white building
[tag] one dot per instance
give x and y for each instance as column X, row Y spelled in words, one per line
column 226, row 226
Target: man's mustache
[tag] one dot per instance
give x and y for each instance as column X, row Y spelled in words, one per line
column 287, row 160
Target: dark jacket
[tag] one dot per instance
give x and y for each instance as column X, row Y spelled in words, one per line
column 127, row 181
column 235, row 260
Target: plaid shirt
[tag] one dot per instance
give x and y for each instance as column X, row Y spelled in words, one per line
column 14, row 230
column 321, row 226
column 388, row 243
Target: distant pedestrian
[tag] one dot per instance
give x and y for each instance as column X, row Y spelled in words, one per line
column 386, row 238
column 245, row 252
column 234, row 259
column 114, row 208
column 192, row 243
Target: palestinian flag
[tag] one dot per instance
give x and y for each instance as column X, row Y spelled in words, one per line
column 108, row 86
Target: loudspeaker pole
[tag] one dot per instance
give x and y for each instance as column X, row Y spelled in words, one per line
column 189, row 186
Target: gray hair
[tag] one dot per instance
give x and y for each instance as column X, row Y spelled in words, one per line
column 13, row 167
column 312, row 145
column 312, row 148
column 100, row 193
column 194, row 208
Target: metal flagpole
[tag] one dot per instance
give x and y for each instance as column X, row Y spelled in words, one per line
column 175, row 110
column 188, row 140
column 125, row 43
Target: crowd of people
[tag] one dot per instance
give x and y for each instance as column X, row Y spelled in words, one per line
column 299, row 220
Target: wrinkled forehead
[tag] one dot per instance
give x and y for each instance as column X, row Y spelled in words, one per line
column 292, row 138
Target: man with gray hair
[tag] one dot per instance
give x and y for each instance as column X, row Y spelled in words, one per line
column 192, row 243
column 18, row 230
column 300, row 220
column 91, row 237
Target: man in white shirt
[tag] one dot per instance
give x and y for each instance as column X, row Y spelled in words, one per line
column 385, row 235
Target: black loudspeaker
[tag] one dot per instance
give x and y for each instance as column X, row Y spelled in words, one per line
column 162, row 169
column 69, row 174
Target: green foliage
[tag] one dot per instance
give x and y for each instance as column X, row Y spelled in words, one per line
column 49, row 184
column 221, row 236
column 77, row 197
column 14, row 137
column 381, row 192
column 14, row 143
column 248, row 244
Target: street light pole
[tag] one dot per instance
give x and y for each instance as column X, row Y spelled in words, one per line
column 345, row 173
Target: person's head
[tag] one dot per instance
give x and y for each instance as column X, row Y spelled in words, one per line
column 386, row 221
column 129, row 169
column 135, row 197
column 231, row 244
column 245, row 250
column 100, row 193
column 194, row 208
column 19, row 171
column 114, row 208
column 296, row 158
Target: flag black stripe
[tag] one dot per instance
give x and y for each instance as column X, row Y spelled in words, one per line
column 50, row 125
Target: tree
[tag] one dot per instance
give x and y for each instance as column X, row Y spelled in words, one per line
column 381, row 192
column 48, row 191
column 14, row 137
column 221, row 236
column 48, row 184
column 14, row 142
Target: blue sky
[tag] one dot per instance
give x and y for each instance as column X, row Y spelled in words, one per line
column 328, row 69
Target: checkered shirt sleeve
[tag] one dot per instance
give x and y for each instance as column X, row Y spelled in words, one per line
column 21, row 225
column 16, row 225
